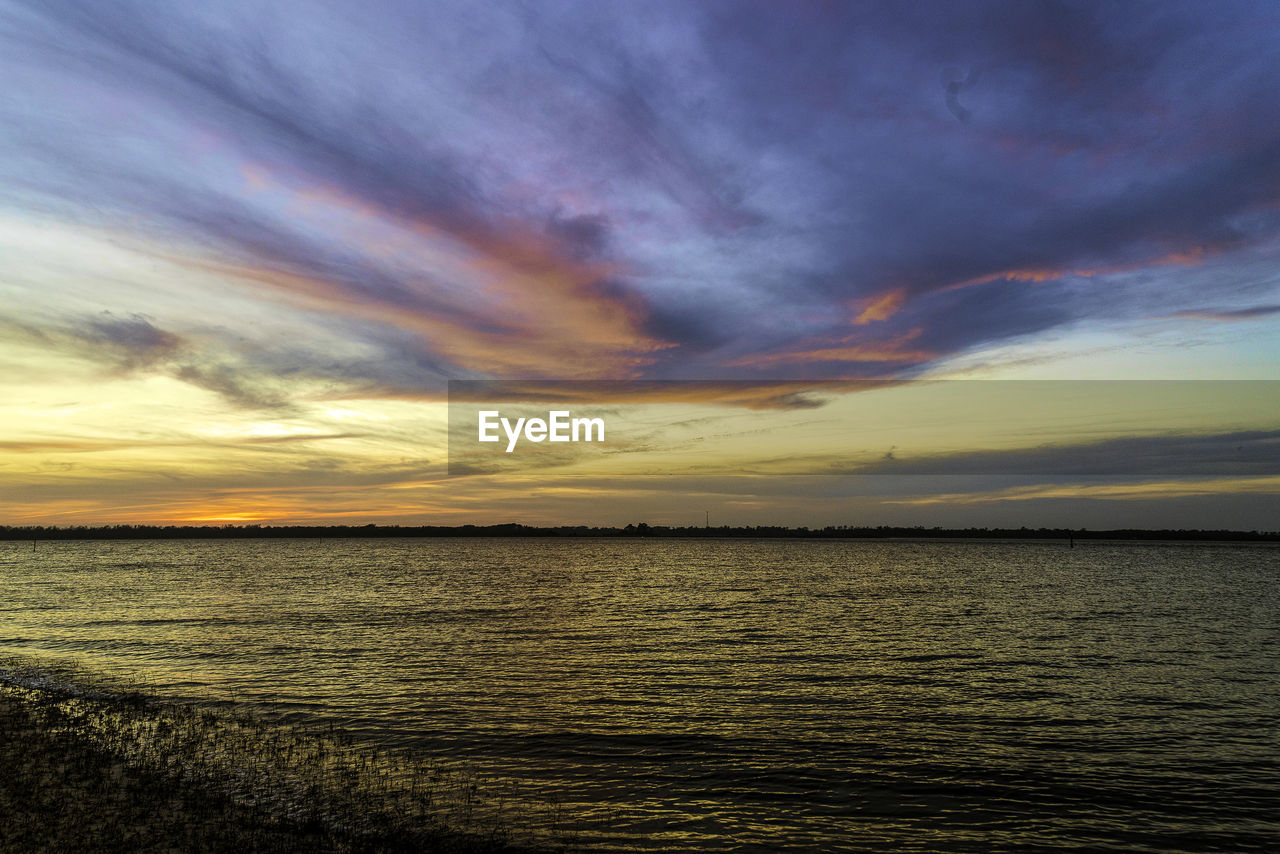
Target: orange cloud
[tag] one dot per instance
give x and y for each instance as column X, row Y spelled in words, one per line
column 881, row 307
column 892, row 350
column 746, row 394
column 1190, row 257
column 514, row 300
column 549, row 325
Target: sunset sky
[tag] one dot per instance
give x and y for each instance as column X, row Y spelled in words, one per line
column 245, row 246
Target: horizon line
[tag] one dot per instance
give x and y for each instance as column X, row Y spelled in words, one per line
column 641, row 529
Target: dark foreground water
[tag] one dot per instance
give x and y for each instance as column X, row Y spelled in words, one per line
column 734, row 695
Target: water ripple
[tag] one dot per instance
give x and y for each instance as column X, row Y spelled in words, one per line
column 735, row 696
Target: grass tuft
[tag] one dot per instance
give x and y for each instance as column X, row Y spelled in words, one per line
column 92, row 764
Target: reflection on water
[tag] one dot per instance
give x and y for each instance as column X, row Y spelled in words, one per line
column 735, row 695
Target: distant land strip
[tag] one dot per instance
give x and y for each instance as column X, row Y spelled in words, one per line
column 838, row 532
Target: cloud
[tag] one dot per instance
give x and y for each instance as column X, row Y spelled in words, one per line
column 746, row 394
column 231, row 384
column 1240, row 454
column 1229, row 314
column 132, row 342
column 880, row 307
column 90, row 445
column 133, row 345
column 121, row 344
column 576, row 190
column 1163, row 491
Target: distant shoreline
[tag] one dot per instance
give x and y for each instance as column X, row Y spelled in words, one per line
column 641, row 530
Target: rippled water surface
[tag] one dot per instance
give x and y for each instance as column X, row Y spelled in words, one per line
column 735, row 695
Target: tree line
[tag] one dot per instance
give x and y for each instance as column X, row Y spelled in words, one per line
column 641, row 529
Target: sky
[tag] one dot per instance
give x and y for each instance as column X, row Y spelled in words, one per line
column 244, row 247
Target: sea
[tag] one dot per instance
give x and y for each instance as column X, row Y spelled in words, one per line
column 672, row 695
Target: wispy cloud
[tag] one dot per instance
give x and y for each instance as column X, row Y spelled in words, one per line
column 1243, row 453
column 1229, row 314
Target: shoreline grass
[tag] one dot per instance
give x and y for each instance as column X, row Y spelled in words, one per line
column 89, row 765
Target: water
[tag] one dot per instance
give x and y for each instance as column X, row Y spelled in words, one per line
column 735, row 695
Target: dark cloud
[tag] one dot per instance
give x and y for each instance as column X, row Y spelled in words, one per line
column 130, row 342
column 117, row 343
column 232, row 383
column 1001, row 309
column 953, row 83
column 585, row 236
column 134, row 344
column 1240, row 454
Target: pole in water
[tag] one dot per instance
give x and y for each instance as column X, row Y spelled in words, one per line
column 708, row 512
